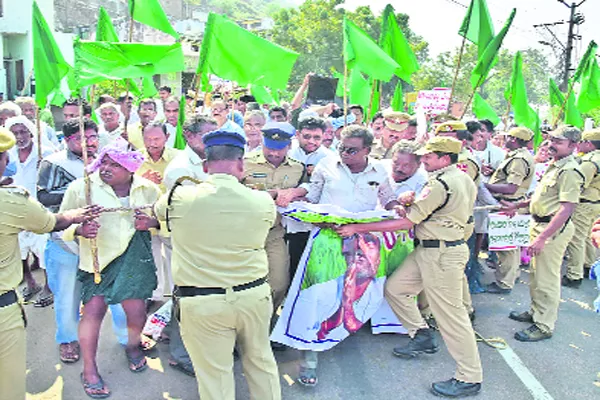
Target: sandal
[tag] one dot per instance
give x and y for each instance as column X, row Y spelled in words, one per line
column 186, row 368
column 96, row 390
column 136, row 364
column 28, row 292
column 44, row 301
column 69, row 352
column 308, row 376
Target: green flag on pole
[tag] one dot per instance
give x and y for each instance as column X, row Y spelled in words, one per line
column 557, row 100
column 486, row 61
column 49, row 66
column 98, row 61
column 394, row 43
column 105, row 30
column 261, row 94
column 360, row 89
column 148, row 87
column 398, row 99
column 363, row 54
column 180, row 142
column 589, row 93
column 590, row 53
column 477, row 26
column 483, row 110
column 231, row 52
column 524, row 114
column 150, row 12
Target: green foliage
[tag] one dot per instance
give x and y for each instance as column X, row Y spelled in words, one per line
column 314, row 30
column 241, row 10
column 440, row 73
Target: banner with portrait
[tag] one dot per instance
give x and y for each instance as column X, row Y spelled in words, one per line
column 339, row 282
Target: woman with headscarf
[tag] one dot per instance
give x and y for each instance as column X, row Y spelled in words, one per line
column 124, row 253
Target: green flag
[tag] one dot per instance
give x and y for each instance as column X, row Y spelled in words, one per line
column 150, row 12
column 486, row 60
column 360, row 89
column 179, row 139
column 524, row 114
column 105, row 30
column 589, row 93
column 556, row 97
column 483, row 110
column 393, row 42
column 261, row 94
column 148, row 87
column 231, row 52
column 398, row 99
column 557, row 101
column 98, row 61
column 363, row 54
column 49, row 66
column 477, row 27
column 590, row 53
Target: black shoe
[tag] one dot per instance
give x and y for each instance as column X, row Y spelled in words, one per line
column 572, row 283
column 532, row 334
column 186, row 368
column 496, row 289
column 521, row 317
column 423, row 342
column 472, row 316
column 454, row 388
column 432, row 323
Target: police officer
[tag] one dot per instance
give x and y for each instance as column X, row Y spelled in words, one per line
column 394, row 129
column 587, row 210
column 436, row 266
column 271, row 170
column 19, row 212
column 220, row 266
column 510, row 183
column 551, row 207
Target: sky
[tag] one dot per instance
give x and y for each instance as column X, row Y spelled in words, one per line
column 437, row 21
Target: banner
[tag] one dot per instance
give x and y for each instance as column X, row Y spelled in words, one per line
column 339, row 282
column 434, row 101
column 507, row 233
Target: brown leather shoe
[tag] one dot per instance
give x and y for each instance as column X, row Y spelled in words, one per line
column 532, row 334
column 69, row 352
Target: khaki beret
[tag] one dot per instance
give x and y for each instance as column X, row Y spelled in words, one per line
column 521, row 133
column 395, row 120
column 442, row 144
column 567, row 132
column 593, row 134
column 7, row 140
column 450, row 126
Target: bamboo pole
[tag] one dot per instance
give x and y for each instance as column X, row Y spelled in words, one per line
column 380, row 94
column 370, row 110
column 564, row 104
column 479, row 82
column 462, row 48
column 126, row 122
column 345, row 94
column 38, row 128
column 196, row 89
column 88, row 188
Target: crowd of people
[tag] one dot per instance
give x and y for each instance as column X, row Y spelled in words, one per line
column 120, row 219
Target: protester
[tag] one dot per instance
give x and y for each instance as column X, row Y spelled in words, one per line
column 278, row 114
column 407, row 173
column 8, row 109
column 171, row 111
column 111, row 128
column 377, row 125
column 359, row 113
column 29, row 110
column 147, row 113
column 253, row 123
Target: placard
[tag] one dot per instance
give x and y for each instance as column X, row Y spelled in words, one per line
column 507, row 233
column 434, row 101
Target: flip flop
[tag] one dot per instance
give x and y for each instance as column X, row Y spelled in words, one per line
column 136, row 364
column 308, row 377
column 29, row 293
column 44, row 301
column 92, row 389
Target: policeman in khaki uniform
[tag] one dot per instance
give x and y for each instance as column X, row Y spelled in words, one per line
column 440, row 215
column 466, row 160
column 551, row 208
column 587, row 210
column 395, row 125
column 18, row 213
column 271, row 170
column 220, row 266
column 510, row 183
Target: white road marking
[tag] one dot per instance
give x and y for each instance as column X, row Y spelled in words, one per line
column 531, row 383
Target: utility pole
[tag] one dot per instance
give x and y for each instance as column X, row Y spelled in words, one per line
column 574, row 19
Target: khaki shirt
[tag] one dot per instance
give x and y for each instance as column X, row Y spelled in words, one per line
column 561, row 183
column 590, row 166
column 378, row 151
column 218, row 232
column 135, row 136
column 158, row 166
column 19, row 212
column 518, row 169
column 468, row 163
column 261, row 174
column 448, row 222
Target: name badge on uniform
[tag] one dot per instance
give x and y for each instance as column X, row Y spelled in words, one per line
column 259, row 175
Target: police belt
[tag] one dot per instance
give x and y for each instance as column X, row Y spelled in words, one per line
column 434, row 244
column 542, row 220
column 191, row 291
column 8, row 298
column 589, row 201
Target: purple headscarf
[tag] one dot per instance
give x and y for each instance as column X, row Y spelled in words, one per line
column 118, row 151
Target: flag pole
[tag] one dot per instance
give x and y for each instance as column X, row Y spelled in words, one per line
column 479, row 82
column 126, row 122
column 564, row 104
column 345, row 94
column 369, row 113
column 460, row 56
column 507, row 115
column 38, row 128
column 88, row 188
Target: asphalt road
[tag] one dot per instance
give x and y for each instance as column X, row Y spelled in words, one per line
column 362, row 367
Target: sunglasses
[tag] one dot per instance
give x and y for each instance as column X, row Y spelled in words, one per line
column 349, row 150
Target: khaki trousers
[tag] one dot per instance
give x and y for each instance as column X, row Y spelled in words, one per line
column 279, row 265
column 583, row 217
column 508, row 270
column 12, row 353
column 439, row 272
column 424, row 303
column 590, row 253
column 210, row 327
column 544, row 285
column 161, row 252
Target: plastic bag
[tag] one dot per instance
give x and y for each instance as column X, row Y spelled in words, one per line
column 157, row 321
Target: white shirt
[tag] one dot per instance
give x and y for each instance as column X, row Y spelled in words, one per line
column 27, row 172
column 105, row 137
column 413, row 184
column 297, row 153
column 172, row 131
column 333, row 183
column 492, row 155
column 187, row 163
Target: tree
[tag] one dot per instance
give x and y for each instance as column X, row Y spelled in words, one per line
column 314, row 30
column 440, row 73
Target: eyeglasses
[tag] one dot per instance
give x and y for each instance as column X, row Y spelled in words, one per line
column 349, row 150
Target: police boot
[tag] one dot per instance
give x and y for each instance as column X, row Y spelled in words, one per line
column 455, row 388
column 423, row 342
